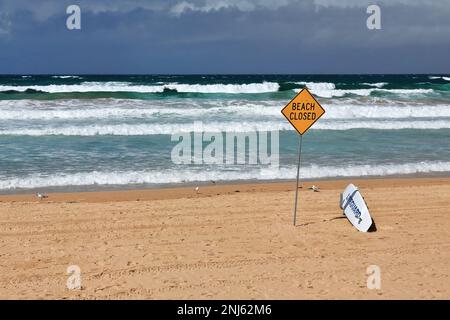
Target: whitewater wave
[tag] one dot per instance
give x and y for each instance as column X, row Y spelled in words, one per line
column 382, row 125
column 250, row 88
column 149, row 129
column 123, row 109
column 386, row 112
column 331, row 93
column 172, row 176
column 332, row 86
column 321, row 89
column 77, row 109
column 328, row 89
column 226, row 88
column 66, row 77
column 316, row 86
column 227, row 126
column 439, row 77
column 376, row 85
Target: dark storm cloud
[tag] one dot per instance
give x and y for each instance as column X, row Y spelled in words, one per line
column 218, row 36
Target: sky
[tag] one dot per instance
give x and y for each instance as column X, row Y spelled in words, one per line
column 224, row 37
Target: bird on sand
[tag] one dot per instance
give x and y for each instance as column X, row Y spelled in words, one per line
column 196, row 189
column 41, row 195
column 314, row 188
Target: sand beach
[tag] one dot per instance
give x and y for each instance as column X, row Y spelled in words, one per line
column 233, row 241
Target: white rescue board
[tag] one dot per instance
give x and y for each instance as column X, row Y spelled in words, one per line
column 355, row 208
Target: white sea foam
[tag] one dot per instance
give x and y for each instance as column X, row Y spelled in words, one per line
column 91, row 113
column 330, row 93
column 66, row 77
column 382, row 125
column 321, row 89
column 317, row 85
column 128, row 87
column 435, row 77
column 328, row 90
column 227, row 126
column 149, row 129
column 48, row 110
column 386, row 112
column 123, row 108
column 376, row 85
column 226, row 88
column 189, row 175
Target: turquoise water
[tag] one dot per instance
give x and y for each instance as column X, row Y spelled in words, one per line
column 82, row 131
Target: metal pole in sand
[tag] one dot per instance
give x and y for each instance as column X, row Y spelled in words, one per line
column 298, row 177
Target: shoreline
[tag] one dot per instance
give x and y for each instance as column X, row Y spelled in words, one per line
column 209, row 189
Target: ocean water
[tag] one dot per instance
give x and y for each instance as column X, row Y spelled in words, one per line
column 81, row 132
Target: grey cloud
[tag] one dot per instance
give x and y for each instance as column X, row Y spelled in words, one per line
column 225, row 36
column 216, row 5
column 384, row 3
column 5, row 24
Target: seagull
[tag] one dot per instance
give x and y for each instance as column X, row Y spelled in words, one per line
column 196, row 189
column 314, row 188
column 41, row 195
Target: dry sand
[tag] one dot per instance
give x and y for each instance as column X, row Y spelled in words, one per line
column 225, row 244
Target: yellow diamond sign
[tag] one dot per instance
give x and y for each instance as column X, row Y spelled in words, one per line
column 303, row 111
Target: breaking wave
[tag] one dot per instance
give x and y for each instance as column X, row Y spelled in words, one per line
column 171, row 176
column 128, row 87
column 226, row 126
column 121, row 109
column 436, row 77
column 66, row 77
column 376, row 85
column 332, row 93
